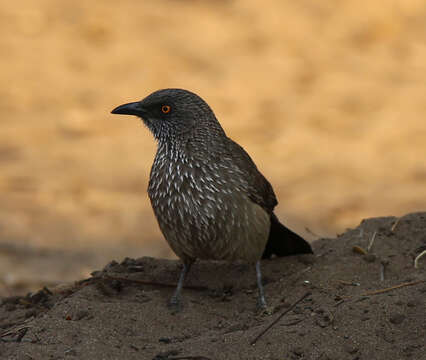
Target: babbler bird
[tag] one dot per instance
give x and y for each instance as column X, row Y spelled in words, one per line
column 210, row 200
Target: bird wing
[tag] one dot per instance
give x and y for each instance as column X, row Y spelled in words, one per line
column 258, row 189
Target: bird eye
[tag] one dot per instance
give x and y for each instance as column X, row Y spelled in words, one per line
column 165, row 109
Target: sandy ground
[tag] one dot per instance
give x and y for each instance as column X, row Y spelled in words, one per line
column 327, row 97
column 352, row 306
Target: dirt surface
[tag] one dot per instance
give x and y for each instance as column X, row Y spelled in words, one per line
column 120, row 312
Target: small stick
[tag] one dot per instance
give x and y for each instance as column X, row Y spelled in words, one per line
column 383, row 265
column 279, row 318
column 351, row 283
column 382, row 272
column 295, row 322
column 339, row 302
column 416, row 260
column 381, row 291
column 20, row 331
column 371, row 241
column 152, row 283
column 395, row 224
column 189, row 357
column 21, row 334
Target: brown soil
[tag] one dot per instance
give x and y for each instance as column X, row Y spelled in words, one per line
column 350, row 313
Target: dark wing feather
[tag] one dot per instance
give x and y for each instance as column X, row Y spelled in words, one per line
column 259, row 190
column 282, row 241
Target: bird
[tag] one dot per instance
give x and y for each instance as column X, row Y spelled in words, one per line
column 210, row 200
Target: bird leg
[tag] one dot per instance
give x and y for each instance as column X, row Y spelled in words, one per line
column 175, row 299
column 261, row 301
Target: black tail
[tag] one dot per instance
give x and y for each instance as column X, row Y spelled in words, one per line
column 284, row 242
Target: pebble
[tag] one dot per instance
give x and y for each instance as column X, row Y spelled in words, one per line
column 397, row 318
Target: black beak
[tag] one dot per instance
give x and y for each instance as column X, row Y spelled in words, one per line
column 133, row 108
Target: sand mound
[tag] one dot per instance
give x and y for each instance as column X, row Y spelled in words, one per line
column 367, row 306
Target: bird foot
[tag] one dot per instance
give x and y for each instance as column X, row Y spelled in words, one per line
column 174, row 305
column 267, row 310
column 263, row 308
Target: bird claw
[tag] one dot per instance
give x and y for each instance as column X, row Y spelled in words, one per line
column 269, row 310
column 263, row 309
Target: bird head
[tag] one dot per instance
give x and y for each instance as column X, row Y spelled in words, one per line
column 172, row 114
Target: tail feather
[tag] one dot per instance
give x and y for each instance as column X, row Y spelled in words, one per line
column 284, row 242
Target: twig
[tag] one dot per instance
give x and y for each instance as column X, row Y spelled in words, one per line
column 371, row 241
column 190, row 357
column 279, row 318
column 383, row 265
column 339, row 302
column 152, row 283
column 382, row 272
column 416, row 260
column 395, row 224
column 295, row 322
column 381, row 291
column 351, row 283
column 18, row 332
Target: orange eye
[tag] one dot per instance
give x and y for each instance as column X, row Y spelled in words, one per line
column 165, row 109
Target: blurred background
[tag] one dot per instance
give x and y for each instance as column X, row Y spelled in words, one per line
column 327, row 97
